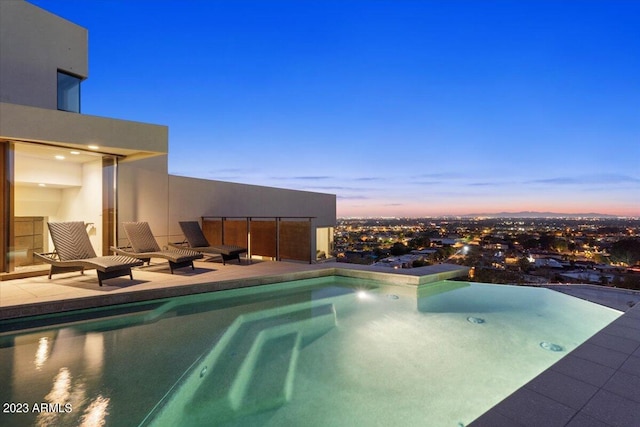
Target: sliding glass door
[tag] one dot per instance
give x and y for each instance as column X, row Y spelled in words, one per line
column 46, row 183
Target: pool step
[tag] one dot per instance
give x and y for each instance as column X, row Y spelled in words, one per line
column 266, row 378
column 252, row 367
column 172, row 306
column 232, row 369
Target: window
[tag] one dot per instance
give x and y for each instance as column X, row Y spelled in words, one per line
column 68, row 92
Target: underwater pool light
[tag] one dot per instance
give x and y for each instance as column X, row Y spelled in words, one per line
column 551, row 346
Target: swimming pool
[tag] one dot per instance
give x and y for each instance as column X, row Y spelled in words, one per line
column 327, row 351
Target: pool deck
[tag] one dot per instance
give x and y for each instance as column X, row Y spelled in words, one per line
column 73, row 291
column 597, row 384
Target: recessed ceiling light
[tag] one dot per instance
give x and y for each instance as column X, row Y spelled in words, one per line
column 93, row 147
column 75, row 153
column 59, row 157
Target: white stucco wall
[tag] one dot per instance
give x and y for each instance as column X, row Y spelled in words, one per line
column 80, row 202
column 36, row 201
column 33, row 170
column 34, row 45
column 85, row 203
column 192, row 198
column 143, row 195
column 147, row 193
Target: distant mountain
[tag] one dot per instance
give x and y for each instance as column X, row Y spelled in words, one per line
column 533, row 214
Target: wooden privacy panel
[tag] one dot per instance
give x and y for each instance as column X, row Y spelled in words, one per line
column 292, row 241
column 263, row 238
column 295, row 240
column 235, row 232
column 212, row 229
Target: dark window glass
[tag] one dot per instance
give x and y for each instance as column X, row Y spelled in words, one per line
column 68, row 92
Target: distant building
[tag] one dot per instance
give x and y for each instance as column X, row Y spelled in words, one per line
column 547, row 263
column 445, row 241
column 401, row 261
column 586, row 277
column 424, row 252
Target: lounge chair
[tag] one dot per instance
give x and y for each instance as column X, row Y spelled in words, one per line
column 145, row 247
column 197, row 241
column 73, row 252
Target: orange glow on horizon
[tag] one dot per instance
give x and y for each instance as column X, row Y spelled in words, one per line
column 369, row 209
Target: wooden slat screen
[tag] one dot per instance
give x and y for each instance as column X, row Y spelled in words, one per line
column 263, row 238
column 212, row 229
column 235, row 232
column 273, row 237
column 295, row 240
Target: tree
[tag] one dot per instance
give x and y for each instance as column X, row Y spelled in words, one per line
column 546, row 242
column 443, row 253
column 601, row 259
column 488, row 275
column 560, row 245
column 524, row 264
column 398, row 248
column 420, row 242
column 419, row 263
column 530, row 243
column 631, row 281
column 473, row 257
column 626, row 251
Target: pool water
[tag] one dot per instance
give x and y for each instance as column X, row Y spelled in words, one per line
column 330, row 351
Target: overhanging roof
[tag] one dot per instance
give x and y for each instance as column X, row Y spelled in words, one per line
column 78, row 131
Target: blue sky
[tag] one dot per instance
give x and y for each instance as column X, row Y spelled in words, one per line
column 400, row 108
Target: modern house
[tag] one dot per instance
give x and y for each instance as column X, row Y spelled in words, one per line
column 57, row 164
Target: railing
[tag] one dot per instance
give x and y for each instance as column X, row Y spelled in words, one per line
column 273, row 237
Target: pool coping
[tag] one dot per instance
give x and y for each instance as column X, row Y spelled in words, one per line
column 410, row 280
